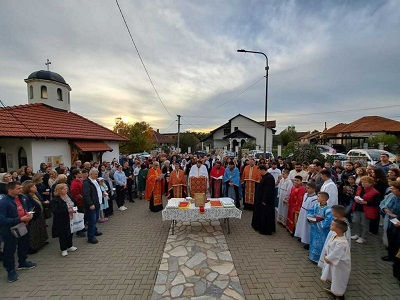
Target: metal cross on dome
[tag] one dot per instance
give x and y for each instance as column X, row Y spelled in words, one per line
column 48, row 63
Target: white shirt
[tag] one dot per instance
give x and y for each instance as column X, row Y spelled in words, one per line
column 275, row 172
column 330, row 187
column 99, row 192
column 302, row 173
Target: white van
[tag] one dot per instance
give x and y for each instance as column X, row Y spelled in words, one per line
column 372, row 156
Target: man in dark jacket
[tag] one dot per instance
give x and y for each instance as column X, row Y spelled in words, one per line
column 91, row 194
column 14, row 210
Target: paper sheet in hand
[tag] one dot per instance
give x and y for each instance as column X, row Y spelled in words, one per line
column 161, row 176
column 394, row 221
column 312, row 219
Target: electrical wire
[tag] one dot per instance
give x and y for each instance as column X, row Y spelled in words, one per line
column 9, row 110
column 140, row 57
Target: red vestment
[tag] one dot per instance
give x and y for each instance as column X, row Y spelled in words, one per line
column 294, row 205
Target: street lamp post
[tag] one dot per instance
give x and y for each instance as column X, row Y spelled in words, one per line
column 266, row 95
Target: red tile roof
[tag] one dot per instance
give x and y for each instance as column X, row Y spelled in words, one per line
column 366, row 124
column 90, row 146
column 39, row 120
column 335, row 129
column 159, row 138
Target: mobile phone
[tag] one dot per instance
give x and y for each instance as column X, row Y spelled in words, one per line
column 31, row 212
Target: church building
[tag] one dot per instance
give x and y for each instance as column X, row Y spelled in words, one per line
column 45, row 129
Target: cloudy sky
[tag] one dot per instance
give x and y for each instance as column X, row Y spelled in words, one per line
column 330, row 61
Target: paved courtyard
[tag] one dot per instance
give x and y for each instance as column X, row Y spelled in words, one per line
column 125, row 264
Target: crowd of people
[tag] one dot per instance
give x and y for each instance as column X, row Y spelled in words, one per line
column 316, row 202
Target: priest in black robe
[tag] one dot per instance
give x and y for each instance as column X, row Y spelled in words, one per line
column 264, row 207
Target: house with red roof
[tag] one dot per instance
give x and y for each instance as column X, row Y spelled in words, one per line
column 45, row 130
column 355, row 134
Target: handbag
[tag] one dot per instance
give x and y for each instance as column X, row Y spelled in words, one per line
column 77, row 223
column 19, row 230
column 46, row 211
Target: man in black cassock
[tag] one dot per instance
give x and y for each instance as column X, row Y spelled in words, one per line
column 264, row 207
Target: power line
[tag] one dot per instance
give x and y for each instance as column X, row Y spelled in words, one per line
column 9, row 110
column 169, row 126
column 191, row 124
column 233, row 98
column 140, row 57
column 337, row 111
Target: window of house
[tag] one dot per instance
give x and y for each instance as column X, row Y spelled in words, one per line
column 236, row 128
column 59, row 95
column 227, row 131
column 43, row 92
column 31, row 92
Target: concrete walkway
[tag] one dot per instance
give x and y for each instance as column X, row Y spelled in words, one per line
column 125, row 263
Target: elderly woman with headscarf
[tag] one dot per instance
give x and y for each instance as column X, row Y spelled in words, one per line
column 37, row 226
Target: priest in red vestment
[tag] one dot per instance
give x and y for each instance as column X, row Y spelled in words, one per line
column 295, row 201
column 250, row 178
column 216, row 176
column 177, row 183
column 154, row 187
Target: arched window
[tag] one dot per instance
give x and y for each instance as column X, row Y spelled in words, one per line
column 31, row 92
column 43, row 92
column 59, row 95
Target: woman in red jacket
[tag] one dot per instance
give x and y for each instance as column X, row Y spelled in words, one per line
column 76, row 192
column 365, row 208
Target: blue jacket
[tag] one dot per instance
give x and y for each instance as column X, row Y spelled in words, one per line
column 9, row 214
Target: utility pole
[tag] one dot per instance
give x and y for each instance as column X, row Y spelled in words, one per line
column 179, row 131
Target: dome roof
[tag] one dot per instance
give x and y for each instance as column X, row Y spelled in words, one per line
column 47, row 75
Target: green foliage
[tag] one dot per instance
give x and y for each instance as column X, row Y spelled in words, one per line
column 188, row 139
column 389, row 141
column 140, row 136
column 289, row 149
column 249, row 145
column 166, row 149
column 287, row 135
column 307, row 153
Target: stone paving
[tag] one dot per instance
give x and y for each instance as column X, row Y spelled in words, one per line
column 125, row 262
column 197, row 264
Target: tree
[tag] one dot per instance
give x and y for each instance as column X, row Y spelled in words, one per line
column 140, row 136
column 249, row 145
column 288, row 135
column 307, row 153
column 188, row 139
column 390, row 142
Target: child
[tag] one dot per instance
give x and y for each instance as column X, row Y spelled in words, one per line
column 337, row 260
column 103, row 201
column 349, row 191
column 296, row 197
column 302, row 226
column 284, row 188
column 320, row 217
column 338, row 213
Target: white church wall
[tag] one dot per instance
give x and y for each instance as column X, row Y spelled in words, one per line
column 50, row 150
column 109, row 156
column 51, row 94
column 11, row 148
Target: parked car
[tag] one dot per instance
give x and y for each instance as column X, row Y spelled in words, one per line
column 231, row 154
column 268, row 155
column 325, row 148
column 336, row 156
column 371, row 156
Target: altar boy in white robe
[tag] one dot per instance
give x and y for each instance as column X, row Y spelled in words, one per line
column 337, row 260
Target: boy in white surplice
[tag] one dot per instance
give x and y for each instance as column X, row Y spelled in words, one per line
column 337, row 260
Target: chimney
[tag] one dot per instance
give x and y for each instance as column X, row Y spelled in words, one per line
column 158, row 130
